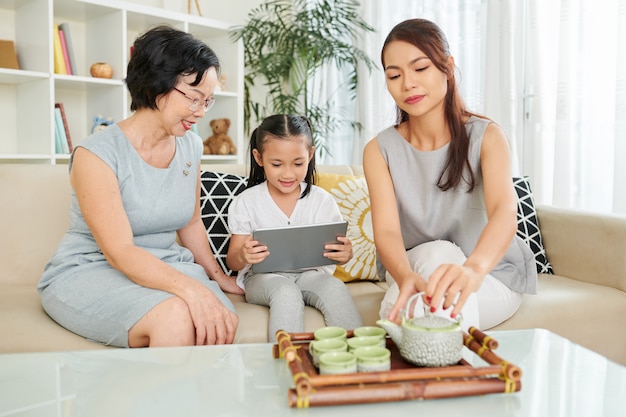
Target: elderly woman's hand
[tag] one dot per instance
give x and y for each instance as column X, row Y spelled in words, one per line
column 214, row 323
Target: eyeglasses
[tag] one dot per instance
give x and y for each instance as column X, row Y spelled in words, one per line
column 197, row 104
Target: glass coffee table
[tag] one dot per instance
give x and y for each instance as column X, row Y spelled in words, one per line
column 559, row 378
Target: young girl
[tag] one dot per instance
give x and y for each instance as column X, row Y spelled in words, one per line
column 281, row 192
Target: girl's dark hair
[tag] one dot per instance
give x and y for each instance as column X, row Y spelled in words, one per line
column 159, row 57
column 284, row 127
column 430, row 39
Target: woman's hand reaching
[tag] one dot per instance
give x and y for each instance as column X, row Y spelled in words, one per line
column 452, row 284
column 409, row 286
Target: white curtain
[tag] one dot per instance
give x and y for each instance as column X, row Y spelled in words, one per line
column 465, row 26
column 575, row 131
column 551, row 73
column 329, row 86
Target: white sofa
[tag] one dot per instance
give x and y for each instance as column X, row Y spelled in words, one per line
column 584, row 301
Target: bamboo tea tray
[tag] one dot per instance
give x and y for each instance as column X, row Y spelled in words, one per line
column 403, row 381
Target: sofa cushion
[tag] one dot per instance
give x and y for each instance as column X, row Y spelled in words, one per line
column 216, row 193
column 579, row 311
column 528, row 224
column 352, row 197
column 25, row 326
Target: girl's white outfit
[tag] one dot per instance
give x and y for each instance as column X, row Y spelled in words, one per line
column 287, row 292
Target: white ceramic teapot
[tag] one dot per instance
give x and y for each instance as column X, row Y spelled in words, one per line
column 426, row 341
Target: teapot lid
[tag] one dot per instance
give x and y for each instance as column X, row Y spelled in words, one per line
column 430, row 323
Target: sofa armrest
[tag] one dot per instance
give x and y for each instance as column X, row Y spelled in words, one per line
column 588, row 247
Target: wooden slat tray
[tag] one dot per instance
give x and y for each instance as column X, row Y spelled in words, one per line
column 403, row 381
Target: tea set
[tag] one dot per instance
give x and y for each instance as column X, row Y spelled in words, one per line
column 427, row 341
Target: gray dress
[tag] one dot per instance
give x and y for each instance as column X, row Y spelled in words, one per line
column 79, row 289
column 428, row 214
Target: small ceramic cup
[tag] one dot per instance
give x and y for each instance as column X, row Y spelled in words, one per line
column 319, row 347
column 362, row 341
column 330, row 332
column 337, row 363
column 372, row 331
column 372, row 359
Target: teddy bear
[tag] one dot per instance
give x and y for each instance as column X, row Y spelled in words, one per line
column 100, row 122
column 219, row 143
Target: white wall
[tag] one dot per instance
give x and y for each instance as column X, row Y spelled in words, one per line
column 231, row 11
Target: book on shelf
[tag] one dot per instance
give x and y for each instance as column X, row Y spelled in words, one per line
column 66, row 128
column 60, row 142
column 66, row 38
column 8, row 57
column 66, row 58
column 59, row 61
column 57, row 139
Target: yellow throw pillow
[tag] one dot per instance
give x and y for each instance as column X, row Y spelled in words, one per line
column 351, row 194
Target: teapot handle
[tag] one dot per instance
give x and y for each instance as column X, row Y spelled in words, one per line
column 414, row 297
column 410, row 301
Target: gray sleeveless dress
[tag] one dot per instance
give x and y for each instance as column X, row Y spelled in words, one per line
column 79, row 289
column 428, row 214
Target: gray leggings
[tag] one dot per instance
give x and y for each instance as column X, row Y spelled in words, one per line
column 286, row 294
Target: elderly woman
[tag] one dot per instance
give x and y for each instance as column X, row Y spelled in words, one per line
column 119, row 276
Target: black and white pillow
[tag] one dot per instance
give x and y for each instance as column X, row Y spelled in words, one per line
column 528, row 224
column 217, row 191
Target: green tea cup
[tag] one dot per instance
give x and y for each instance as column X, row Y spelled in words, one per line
column 372, row 331
column 362, row 341
column 319, row 347
column 337, row 363
column 330, row 332
column 372, row 359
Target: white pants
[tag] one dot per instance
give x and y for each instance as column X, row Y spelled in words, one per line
column 492, row 304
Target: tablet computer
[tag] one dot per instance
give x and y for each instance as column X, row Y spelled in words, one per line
column 295, row 247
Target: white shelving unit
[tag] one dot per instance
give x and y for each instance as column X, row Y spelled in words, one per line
column 101, row 32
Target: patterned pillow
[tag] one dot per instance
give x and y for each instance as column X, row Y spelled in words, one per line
column 216, row 193
column 351, row 194
column 528, row 224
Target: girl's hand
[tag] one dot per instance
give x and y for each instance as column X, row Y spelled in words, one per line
column 252, row 252
column 339, row 252
column 448, row 282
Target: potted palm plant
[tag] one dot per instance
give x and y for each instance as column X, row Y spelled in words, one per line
column 286, row 44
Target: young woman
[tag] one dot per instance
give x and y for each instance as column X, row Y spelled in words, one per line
column 119, row 276
column 440, row 184
column 281, row 192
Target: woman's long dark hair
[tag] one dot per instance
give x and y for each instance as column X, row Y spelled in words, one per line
column 430, row 39
column 283, row 127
